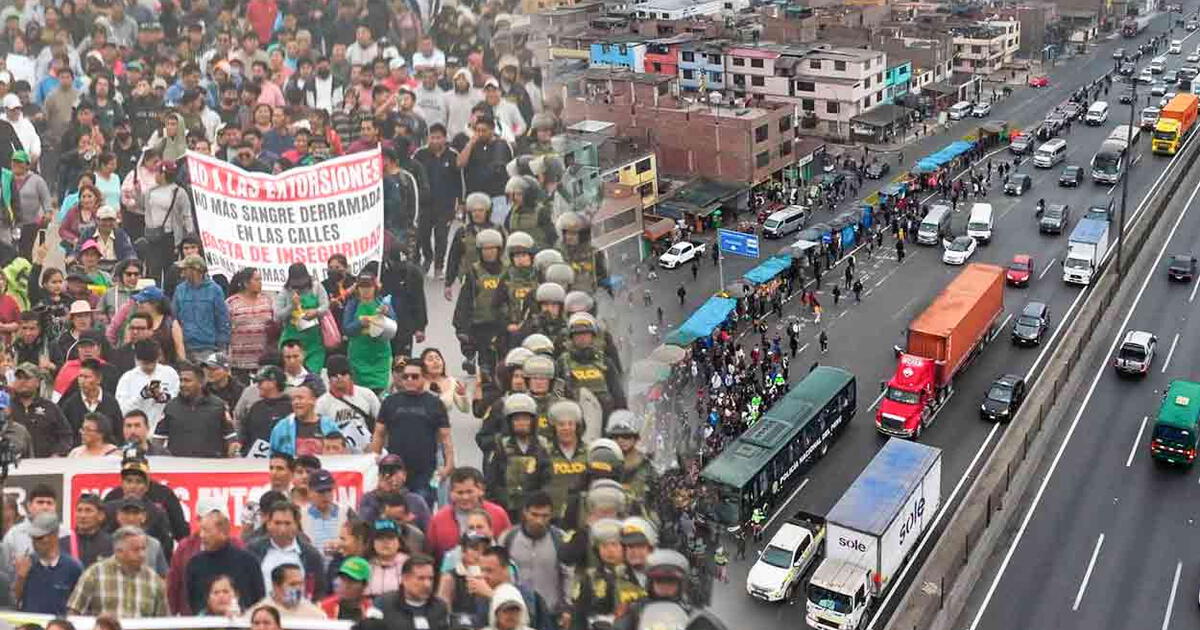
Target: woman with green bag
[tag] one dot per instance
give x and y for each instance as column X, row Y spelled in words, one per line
column 299, row 308
column 368, row 325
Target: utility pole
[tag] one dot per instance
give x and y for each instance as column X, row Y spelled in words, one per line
column 1129, row 149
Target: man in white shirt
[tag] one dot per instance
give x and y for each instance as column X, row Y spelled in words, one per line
column 14, row 114
column 431, row 101
column 428, row 56
column 150, row 385
column 508, row 117
column 364, row 50
column 293, row 364
column 353, row 408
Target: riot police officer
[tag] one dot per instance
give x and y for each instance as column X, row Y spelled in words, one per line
column 580, row 302
column 481, row 310
column 667, row 576
column 520, row 462
column 637, row 471
column 568, row 456
column 527, row 214
column 539, row 377
column 520, row 278
column 578, row 251
column 583, row 366
column 602, row 592
column 463, row 250
column 547, row 317
column 488, row 405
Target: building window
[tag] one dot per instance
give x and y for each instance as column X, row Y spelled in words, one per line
column 832, row 107
column 761, row 133
column 762, row 160
column 738, row 61
column 756, row 63
column 643, row 166
column 621, row 48
column 714, row 77
column 785, row 123
column 867, row 83
column 975, row 50
column 814, row 64
column 757, row 81
column 878, row 97
column 879, row 77
column 714, row 59
column 688, row 74
column 785, row 148
column 739, row 79
column 646, row 190
column 808, row 105
column 619, row 221
column 840, row 66
column 687, row 55
column 866, row 102
column 657, row 67
column 805, row 86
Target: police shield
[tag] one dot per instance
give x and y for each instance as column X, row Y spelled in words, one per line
column 593, row 415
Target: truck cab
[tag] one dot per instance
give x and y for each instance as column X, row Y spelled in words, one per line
column 907, row 397
column 786, row 558
column 838, row 595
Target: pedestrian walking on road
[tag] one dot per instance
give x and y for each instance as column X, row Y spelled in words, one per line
column 858, row 289
column 695, row 268
column 647, row 297
column 660, row 315
column 849, row 273
column 900, row 250
column 823, row 339
column 682, row 293
column 837, row 294
column 716, row 255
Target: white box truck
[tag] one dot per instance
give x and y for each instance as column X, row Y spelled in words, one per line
column 1085, row 251
column 871, row 531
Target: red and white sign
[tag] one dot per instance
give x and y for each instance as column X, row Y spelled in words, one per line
column 303, row 215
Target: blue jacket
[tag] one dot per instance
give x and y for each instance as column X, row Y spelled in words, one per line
column 283, row 436
column 122, row 245
column 203, row 314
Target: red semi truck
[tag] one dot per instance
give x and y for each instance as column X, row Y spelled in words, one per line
column 942, row 341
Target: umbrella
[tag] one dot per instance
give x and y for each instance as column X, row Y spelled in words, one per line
column 649, row 371
column 669, row 354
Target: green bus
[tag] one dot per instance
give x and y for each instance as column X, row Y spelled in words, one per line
column 760, row 468
column 1177, row 425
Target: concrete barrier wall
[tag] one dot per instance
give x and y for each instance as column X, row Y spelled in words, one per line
column 938, row 594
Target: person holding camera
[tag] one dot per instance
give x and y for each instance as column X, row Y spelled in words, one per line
column 150, row 385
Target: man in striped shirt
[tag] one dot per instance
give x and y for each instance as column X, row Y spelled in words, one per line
column 121, row 585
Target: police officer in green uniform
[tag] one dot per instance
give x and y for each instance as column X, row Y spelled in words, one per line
column 545, row 258
column 539, row 376
column 585, row 367
column 550, row 171
column 604, row 591
column 481, row 311
column 639, row 537
column 578, row 251
column 604, row 496
column 560, row 274
column 520, row 461
column 463, row 252
column 521, row 280
column 526, row 214
column 667, row 574
column 538, row 343
column 580, row 302
column 547, row 318
column 489, row 404
column 568, row 457
column 637, row 471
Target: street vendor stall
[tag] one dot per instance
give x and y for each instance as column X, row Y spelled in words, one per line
column 712, row 314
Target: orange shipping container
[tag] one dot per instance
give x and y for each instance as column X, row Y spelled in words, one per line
column 958, row 318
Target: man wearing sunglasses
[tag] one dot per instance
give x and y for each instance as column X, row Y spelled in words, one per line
column 412, row 423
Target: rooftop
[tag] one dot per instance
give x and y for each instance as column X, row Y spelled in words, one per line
column 665, row 5
column 844, row 54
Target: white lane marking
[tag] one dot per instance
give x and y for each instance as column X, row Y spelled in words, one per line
column 1136, row 440
column 1050, row 343
column 1111, row 189
column 937, row 520
column 1005, row 322
column 803, row 348
column 877, row 399
column 1088, row 574
column 1062, row 448
column 1170, row 353
column 1195, row 285
column 1174, row 588
column 767, row 525
column 1047, row 269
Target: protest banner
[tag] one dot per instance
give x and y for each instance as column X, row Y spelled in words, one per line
column 235, row 482
column 303, row 215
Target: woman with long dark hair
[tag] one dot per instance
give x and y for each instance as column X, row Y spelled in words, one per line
column 251, row 318
column 299, row 308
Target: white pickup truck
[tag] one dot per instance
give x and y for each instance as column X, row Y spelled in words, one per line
column 785, row 560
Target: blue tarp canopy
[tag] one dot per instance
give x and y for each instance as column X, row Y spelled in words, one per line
column 769, row 268
column 944, row 155
column 703, row 322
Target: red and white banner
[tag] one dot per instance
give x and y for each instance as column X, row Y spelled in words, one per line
column 303, row 215
column 234, row 482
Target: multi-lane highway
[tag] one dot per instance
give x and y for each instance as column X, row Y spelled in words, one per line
column 1110, row 540
column 861, row 336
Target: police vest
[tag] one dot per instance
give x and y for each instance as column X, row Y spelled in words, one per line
column 527, row 219
column 487, row 290
column 520, row 470
column 470, row 253
column 582, row 259
column 587, row 372
column 520, row 283
column 566, row 477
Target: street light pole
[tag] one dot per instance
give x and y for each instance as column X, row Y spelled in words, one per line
column 1129, row 149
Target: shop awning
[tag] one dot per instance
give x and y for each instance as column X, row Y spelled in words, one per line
column 703, row 322
column 768, row 269
column 658, row 229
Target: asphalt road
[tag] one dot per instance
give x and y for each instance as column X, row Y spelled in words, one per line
column 1112, row 536
column 861, row 336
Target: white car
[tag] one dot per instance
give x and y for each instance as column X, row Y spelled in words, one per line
column 1176, row 47
column 981, row 109
column 1193, row 58
column 1146, row 76
column 959, row 250
column 781, row 565
column 680, row 252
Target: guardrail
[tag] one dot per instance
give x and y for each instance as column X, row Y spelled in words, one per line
column 938, row 594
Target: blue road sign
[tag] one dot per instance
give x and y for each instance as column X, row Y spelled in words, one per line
column 737, row 243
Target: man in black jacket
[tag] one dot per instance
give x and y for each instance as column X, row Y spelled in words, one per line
column 196, row 423
column 405, row 282
column 48, row 428
column 446, row 190
column 273, row 404
column 136, row 486
column 401, row 610
column 89, row 397
column 221, row 558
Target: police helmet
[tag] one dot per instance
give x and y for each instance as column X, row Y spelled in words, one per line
column 538, row 343
column 666, row 564
column 520, row 403
column 538, row 365
column 520, row 165
column 579, row 301
column 605, row 530
column 571, row 221
column 582, row 322
column 489, row 238
column 622, row 422
column 478, row 201
column 604, row 450
column 560, row 273
column 565, row 410
column 519, row 243
column 517, row 184
column 547, row 257
column 550, row 292
column 551, row 167
column 516, row 357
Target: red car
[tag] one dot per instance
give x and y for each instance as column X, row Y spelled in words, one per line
column 1039, row 81
column 1020, row 270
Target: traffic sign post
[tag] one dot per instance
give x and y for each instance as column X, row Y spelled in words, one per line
column 736, row 243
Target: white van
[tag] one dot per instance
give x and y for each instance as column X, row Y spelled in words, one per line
column 1050, row 153
column 1158, row 65
column 1176, row 47
column 783, row 222
column 959, row 110
column 1097, row 114
column 979, row 227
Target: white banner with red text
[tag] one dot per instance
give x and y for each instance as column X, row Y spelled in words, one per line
column 303, row 215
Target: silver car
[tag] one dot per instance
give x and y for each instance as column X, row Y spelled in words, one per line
column 1136, row 353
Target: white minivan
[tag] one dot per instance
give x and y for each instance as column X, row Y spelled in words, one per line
column 1097, row 114
column 1050, row 153
column 979, row 227
column 783, row 222
column 1158, row 65
column 959, row 110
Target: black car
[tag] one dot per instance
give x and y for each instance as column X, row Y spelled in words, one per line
column 1021, row 144
column 1054, row 219
column 1127, row 69
column 1071, row 176
column 1017, row 184
column 1003, row 398
column 1102, row 210
column 1031, row 324
column 1072, row 109
column 876, row 170
column 1182, row 267
column 1126, row 97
